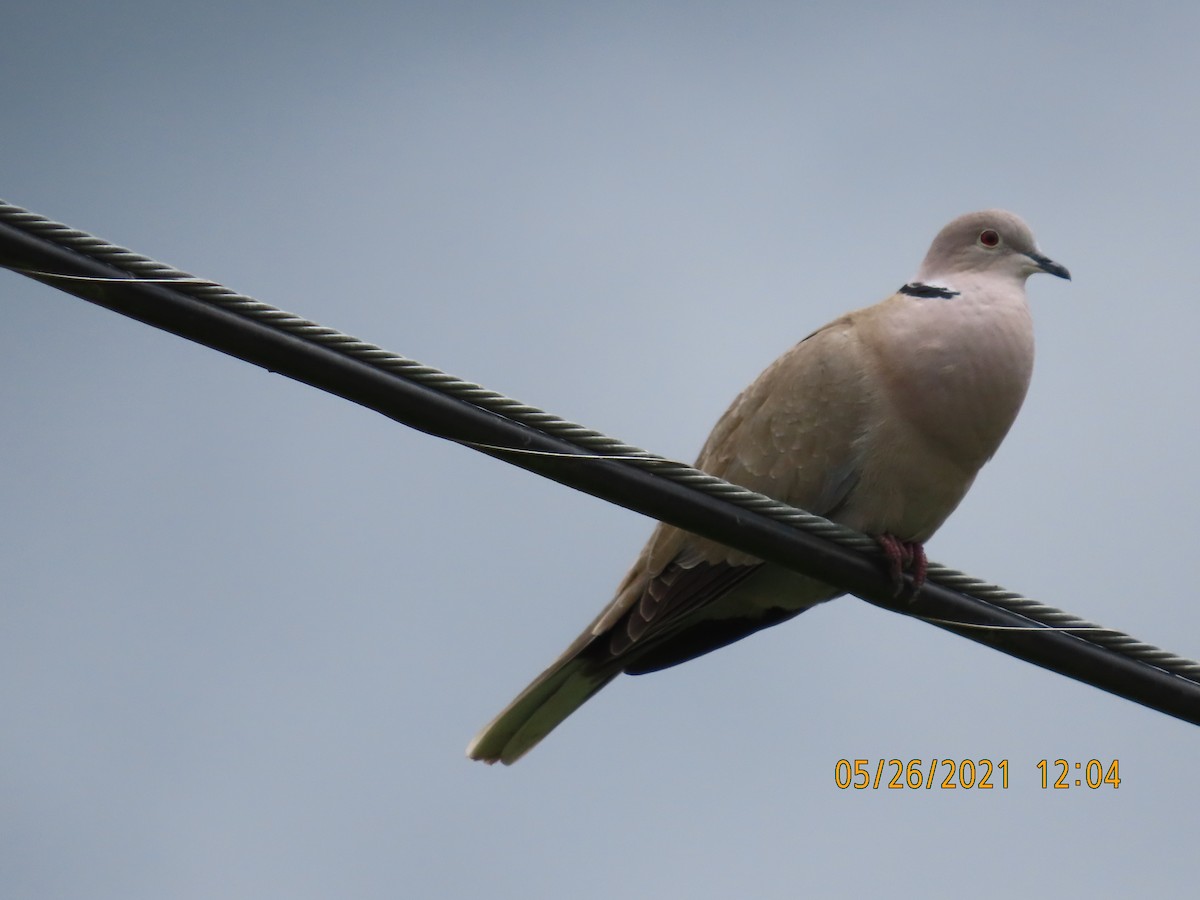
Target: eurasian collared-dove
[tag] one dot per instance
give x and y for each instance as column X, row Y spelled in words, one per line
column 880, row 421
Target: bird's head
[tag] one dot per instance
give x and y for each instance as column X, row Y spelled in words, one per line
column 993, row 241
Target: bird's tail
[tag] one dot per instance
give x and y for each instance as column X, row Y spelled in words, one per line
column 540, row 708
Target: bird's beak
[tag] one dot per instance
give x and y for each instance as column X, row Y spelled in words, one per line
column 1046, row 264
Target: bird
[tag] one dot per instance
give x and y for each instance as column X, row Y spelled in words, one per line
column 879, row 421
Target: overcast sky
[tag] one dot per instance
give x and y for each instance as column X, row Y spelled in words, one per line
column 247, row 629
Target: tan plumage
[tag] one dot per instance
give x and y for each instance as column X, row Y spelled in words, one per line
column 880, row 421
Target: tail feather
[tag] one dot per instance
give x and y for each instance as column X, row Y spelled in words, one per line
column 539, row 709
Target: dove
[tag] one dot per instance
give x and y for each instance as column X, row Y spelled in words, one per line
column 880, row 421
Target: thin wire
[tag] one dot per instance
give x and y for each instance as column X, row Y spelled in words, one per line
column 551, row 454
column 982, row 627
column 63, row 276
column 598, row 445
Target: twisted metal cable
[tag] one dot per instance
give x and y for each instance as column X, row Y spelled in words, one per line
column 594, row 443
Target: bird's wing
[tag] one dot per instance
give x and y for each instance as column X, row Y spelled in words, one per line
column 795, row 434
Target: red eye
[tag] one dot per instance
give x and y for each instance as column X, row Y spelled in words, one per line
column 989, row 238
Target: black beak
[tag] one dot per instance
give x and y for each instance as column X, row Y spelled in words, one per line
column 1046, row 264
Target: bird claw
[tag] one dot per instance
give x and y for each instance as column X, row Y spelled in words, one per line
column 904, row 556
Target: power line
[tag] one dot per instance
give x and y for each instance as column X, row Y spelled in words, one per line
column 440, row 404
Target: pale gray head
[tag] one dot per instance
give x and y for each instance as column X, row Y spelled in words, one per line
column 992, row 241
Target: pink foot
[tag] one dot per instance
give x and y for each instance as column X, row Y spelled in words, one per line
column 902, row 556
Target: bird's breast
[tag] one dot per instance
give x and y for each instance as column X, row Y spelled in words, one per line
column 957, row 371
column 951, row 375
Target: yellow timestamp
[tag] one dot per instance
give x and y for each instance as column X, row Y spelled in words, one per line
column 921, row 774
column 1091, row 774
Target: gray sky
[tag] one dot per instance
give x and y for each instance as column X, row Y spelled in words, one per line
column 247, row 629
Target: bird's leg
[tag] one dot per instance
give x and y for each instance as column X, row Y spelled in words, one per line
column 901, row 556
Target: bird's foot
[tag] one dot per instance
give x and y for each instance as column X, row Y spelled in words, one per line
column 904, row 556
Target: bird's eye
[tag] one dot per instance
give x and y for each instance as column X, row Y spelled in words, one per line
column 989, row 238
